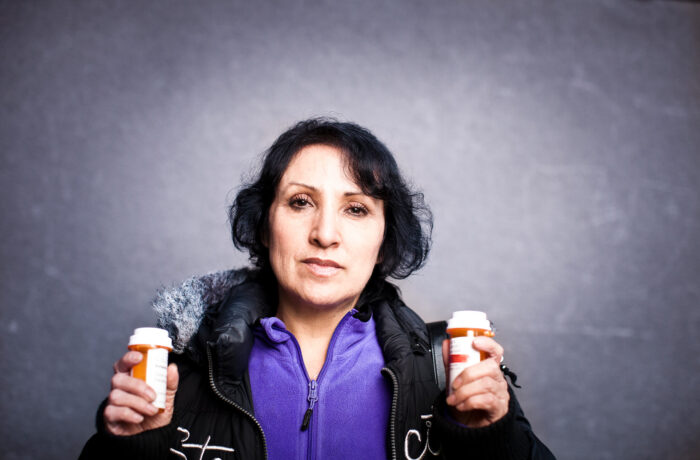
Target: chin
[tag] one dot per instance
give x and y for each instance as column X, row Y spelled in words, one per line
column 324, row 301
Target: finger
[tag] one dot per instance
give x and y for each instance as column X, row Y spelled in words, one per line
column 115, row 415
column 489, row 346
column 488, row 402
column 133, row 385
column 129, row 360
column 446, row 354
column 488, row 368
column 121, row 398
column 484, row 385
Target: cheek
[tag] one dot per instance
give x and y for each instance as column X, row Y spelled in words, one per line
column 279, row 250
column 280, row 262
column 283, row 245
column 373, row 243
column 380, row 239
column 275, row 247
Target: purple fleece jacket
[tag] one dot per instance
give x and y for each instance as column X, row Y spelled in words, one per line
column 350, row 416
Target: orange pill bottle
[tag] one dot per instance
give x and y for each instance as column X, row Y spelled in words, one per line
column 155, row 345
column 462, row 328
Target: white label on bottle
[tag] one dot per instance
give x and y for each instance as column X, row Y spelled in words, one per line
column 157, row 374
column 462, row 356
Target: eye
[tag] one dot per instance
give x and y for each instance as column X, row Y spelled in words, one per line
column 357, row 209
column 299, row 202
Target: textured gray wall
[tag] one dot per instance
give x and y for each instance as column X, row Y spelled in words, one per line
column 557, row 143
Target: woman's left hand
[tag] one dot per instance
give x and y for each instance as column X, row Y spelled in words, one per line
column 480, row 393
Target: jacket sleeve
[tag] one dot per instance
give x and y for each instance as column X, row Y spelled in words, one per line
column 510, row 438
column 151, row 444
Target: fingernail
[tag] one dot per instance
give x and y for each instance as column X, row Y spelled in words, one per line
column 152, row 408
column 151, row 394
column 136, row 356
column 450, row 399
column 456, row 383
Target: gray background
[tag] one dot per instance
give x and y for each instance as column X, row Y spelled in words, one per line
column 557, row 142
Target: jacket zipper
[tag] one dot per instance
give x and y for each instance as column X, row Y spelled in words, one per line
column 313, row 384
column 394, row 404
column 313, row 397
column 225, row 399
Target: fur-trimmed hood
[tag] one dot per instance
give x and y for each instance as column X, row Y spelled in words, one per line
column 180, row 309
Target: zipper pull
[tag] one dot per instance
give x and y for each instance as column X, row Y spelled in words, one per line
column 313, row 397
column 307, row 419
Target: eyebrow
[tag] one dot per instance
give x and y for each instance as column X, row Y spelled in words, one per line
column 311, row 187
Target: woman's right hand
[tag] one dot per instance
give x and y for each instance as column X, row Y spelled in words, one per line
column 129, row 410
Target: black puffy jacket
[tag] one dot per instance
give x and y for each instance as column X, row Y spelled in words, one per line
column 211, row 319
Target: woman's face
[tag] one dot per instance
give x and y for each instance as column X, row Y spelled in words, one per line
column 324, row 234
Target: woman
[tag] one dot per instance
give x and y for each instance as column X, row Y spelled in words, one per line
column 312, row 354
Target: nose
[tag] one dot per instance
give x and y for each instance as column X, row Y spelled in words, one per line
column 324, row 231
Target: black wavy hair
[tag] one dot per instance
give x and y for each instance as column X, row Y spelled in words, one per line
column 408, row 220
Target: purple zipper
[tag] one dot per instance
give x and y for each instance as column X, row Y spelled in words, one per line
column 313, row 397
column 313, row 384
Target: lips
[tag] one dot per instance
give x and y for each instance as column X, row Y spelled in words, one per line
column 322, row 267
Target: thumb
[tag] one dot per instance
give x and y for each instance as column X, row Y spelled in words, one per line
column 173, row 378
column 171, row 386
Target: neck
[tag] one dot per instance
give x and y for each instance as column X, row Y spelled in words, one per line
column 311, row 322
column 313, row 328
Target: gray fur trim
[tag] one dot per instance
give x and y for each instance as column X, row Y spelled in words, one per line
column 180, row 309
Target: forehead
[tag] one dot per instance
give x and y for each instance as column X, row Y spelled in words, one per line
column 318, row 162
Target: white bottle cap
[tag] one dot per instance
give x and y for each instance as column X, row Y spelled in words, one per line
column 469, row 319
column 151, row 336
